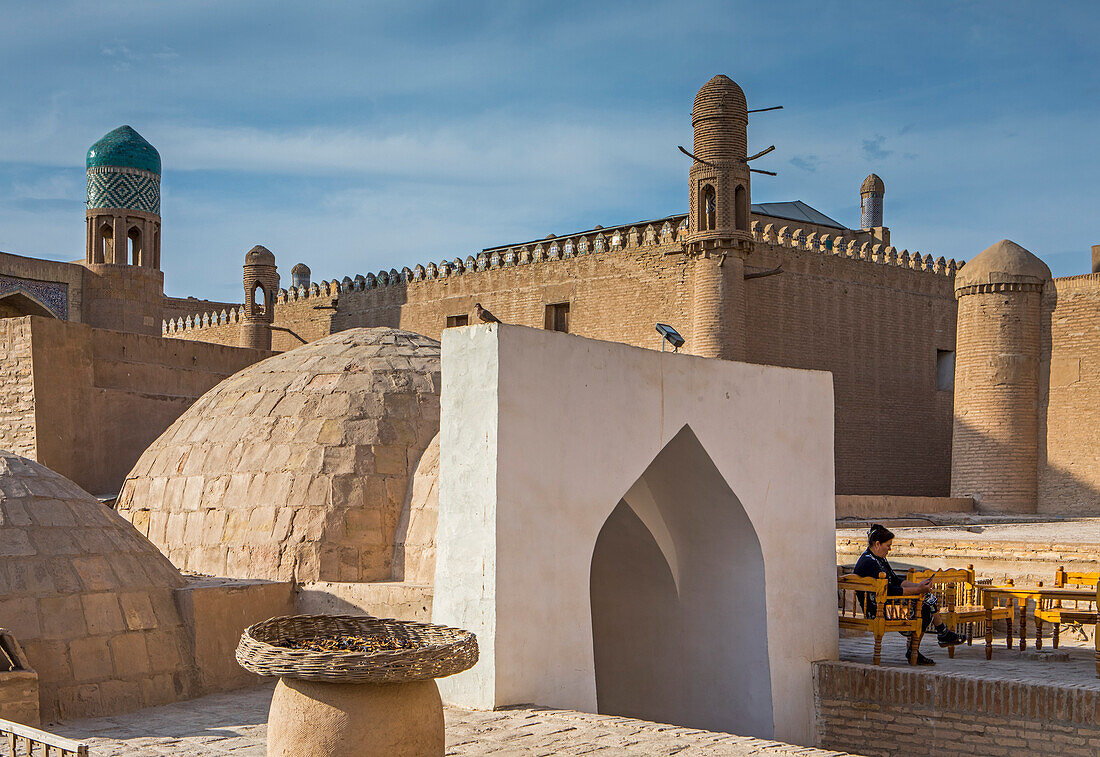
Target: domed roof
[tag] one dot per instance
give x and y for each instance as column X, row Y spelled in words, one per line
column 1004, row 263
column 125, row 148
column 300, row 268
column 259, row 255
column 720, row 98
column 297, row 466
column 77, row 580
column 872, row 184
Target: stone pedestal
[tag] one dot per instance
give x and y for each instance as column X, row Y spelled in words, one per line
column 360, row 719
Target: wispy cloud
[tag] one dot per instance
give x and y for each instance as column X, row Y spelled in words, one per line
column 873, row 148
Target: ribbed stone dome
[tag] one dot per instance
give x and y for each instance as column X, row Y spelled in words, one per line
column 296, row 467
column 1004, row 263
column 720, row 97
column 300, row 269
column 89, row 598
column 124, row 148
column 259, row 255
column 873, row 184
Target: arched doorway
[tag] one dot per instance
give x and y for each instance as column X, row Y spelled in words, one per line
column 18, row 304
column 679, row 620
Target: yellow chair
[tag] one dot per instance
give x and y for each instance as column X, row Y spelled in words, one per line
column 1054, row 612
column 960, row 600
column 854, row 595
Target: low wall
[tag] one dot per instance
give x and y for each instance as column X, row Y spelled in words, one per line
column 389, row 599
column 216, row 612
column 882, row 712
column 889, row 506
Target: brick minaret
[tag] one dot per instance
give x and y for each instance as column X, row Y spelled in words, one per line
column 995, row 440
column 261, row 281
column 718, row 237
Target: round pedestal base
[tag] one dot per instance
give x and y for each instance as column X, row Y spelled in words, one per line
column 360, row 719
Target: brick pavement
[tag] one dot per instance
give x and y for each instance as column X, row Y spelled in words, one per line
column 233, row 725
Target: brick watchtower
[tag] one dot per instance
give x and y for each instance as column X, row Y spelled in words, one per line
column 995, row 440
column 719, row 237
column 126, row 292
column 261, row 281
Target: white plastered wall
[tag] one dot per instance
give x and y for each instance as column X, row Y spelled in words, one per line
column 543, row 434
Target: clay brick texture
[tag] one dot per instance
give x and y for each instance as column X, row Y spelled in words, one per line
column 1069, row 397
column 881, row 712
column 17, row 431
column 874, row 320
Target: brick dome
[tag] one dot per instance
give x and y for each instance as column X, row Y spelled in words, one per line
column 300, row 269
column 296, row 467
column 123, row 148
column 259, row 255
column 872, row 184
column 1004, row 263
column 87, row 596
column 720, row 98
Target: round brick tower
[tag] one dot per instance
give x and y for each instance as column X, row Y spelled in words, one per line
column 995, row 442
column 126, row 292
column 261, row 281
column 871, row 194
column 719, row 236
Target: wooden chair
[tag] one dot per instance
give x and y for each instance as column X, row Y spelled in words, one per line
column 960, row 600
column 1052, row 610
column 887, row 613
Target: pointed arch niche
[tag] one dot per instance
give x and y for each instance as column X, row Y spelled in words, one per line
column 677, row 594
column 635, row 532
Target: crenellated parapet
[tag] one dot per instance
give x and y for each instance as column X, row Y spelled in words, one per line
column 643, row 236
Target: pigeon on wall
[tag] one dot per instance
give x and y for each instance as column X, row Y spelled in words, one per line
column 484, row 315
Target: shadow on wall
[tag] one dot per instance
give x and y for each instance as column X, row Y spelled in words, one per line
column 1059, row 492
column 678, row 606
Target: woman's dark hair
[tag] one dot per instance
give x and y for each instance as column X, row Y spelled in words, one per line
column 877, row 534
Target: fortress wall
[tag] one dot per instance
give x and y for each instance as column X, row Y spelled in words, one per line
column 92, row 385
column 181, row 307
column 877, row 329
column 1069, row 397
column 17, row 432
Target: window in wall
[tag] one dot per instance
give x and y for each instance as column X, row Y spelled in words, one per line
column 557, row 317
column 708, row 210
column 945, row 370
column 458, row 320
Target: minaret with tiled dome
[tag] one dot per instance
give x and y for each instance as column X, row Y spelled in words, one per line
column 123, row 213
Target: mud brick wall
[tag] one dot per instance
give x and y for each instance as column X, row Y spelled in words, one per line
column 17, row 431
column 1069, row 397
column 882, row 712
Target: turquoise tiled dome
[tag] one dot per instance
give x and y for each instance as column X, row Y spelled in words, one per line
column 124, row 148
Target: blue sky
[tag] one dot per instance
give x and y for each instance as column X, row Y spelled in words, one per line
column 360, row 136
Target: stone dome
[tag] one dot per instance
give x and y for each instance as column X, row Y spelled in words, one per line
column 259, row 255
column 296, row 467
column 124, row 148
column 1004, row 263
column 414, row 552
column 89, row 598
column 720, row 98
column 300, row 269
column 872, row 185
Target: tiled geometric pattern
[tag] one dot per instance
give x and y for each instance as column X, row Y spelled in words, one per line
column 129, row 188
column 54, row 295
column 872, row 211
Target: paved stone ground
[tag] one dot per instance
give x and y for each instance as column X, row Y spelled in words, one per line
column 1010, row 665
column 234, row 725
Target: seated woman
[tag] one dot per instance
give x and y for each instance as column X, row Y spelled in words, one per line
column 873, row 561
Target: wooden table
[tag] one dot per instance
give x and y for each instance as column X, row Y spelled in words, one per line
column 1015, row 593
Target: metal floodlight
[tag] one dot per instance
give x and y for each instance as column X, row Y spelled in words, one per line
column 671, row 335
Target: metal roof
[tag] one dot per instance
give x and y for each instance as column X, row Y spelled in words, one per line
column 795, row 211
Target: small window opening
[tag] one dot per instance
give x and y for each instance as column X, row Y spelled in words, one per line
column 708, row 212
column 741, row 207
column 259, row 300
column 557, row 317
column 105, row 250
column 945, row 370
column 458, row 320
column 133, row 243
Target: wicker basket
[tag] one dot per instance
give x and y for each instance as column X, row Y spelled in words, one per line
column 438, row 651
